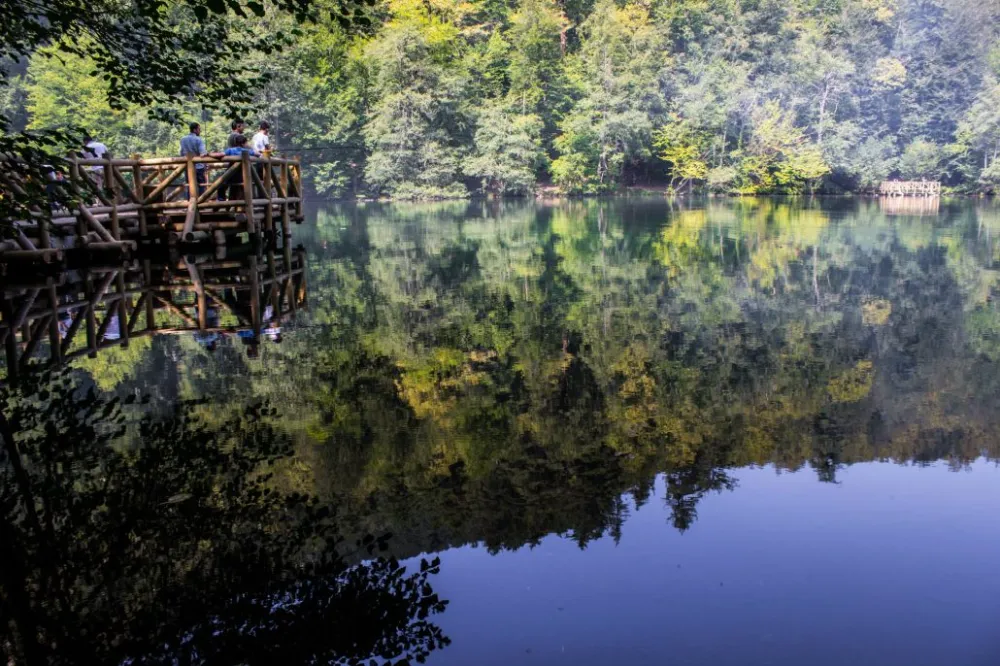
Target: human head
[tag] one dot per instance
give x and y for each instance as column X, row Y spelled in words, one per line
column 238, row 126
column 195, row 128
column 240, row 141
column 87, row 138
column 265, row 126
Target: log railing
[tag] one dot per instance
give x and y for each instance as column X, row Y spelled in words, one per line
column 51, row 320
column 160, row 199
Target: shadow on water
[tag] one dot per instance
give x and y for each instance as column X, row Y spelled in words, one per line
column 484, row 374
column 182, row 550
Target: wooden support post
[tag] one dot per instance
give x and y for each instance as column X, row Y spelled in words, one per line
column 112, row 183
column 55, row 342
column 267, row 185
column 44, row 239
column 286, row 216
column 274, row 293
column 33, row 337
column 254, row 297
column 199, row 291
column 91, row 318
column 147, row 275
column 302, row 281
column 192, row 217
column 81, row 225
column 137, row 191
column 248, row 195
column 122, row 309
column 10, row 344
column 133, row 319
column 298, row 188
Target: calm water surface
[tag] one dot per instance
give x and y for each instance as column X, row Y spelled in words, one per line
column 750, row 432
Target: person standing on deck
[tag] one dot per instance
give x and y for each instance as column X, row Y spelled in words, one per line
column 238, row 127
column 94, row 150
column 261, row 143
column 194, row 145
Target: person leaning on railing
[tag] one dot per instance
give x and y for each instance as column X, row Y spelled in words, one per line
column 234, row 183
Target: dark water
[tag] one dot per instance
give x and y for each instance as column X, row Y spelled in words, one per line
column 754, row 432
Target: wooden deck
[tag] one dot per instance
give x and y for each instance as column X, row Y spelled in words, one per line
column 159, row 201
column 51, row 320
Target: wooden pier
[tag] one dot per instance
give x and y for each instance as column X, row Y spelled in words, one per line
column 159, row 200
column 49, row 320
column 910, row 188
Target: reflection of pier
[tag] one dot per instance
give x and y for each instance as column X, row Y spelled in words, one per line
column 123, row 202
column 910, row 205
column 78, row 313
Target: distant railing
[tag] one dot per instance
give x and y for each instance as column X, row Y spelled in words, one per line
column 161, row 199
column 910, row 188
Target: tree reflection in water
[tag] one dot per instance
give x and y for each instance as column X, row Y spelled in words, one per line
column 471, row 375
column 182, row 550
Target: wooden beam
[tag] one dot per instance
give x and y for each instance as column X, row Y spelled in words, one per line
column 214, row 186
column 176, row 309
column 248, row 195
column 163, row 184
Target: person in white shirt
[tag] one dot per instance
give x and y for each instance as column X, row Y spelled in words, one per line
column 261, row 141
column 94, row 150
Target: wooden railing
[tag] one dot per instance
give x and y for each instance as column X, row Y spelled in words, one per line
column 160, row 199
column 51, row 320
column 910, row 188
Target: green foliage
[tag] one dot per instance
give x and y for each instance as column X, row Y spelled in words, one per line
column 684, row 149
column 921, row 159
column 415, row 119
column 873, row 161
column 732, row 97
column 507, row 151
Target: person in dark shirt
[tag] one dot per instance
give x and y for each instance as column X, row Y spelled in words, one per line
column 238, row 127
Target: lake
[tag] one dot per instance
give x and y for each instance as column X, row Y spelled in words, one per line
column 639, row 431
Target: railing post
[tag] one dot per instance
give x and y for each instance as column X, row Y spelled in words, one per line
column 139, row 196
column 267, row 180
column 192, row 213
column 91, row 317
column 110, row 182
column 55, row 342
column 286, row 217
column 298, row 187
column 122, row 306
column 248, row 194
column 81, row 222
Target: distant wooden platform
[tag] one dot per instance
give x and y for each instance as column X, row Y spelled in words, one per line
column 910, row 188
column 49, row 320
column 159, row 200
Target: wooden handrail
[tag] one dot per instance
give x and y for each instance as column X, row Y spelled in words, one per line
column 135, row 199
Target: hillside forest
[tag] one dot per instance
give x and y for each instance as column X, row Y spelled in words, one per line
column 452, row 98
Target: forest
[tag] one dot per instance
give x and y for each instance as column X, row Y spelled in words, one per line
column 457, row 98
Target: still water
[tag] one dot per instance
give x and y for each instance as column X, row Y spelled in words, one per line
column 733, row 432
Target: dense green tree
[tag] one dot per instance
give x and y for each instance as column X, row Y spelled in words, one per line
column 507, row 151
column 416, row 121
